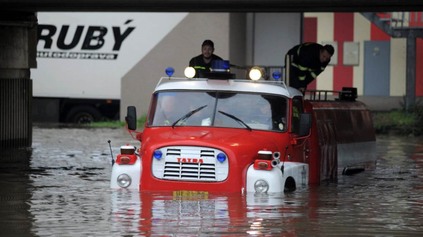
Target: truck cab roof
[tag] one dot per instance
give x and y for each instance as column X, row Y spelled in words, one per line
column 228, row 85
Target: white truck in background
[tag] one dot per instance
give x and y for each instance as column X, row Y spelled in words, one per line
column 81, row 58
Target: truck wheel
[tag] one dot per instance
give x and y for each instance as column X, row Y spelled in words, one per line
column 82, row 115
column 290, row 185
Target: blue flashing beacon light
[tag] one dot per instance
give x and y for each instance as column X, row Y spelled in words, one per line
column 277, row 75
column 169, row 71
column 221, row 65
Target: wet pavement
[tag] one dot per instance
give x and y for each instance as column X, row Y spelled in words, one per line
column 63, row 190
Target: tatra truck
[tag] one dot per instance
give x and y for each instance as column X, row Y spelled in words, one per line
column 248, row 135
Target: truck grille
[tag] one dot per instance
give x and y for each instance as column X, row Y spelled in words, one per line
column 190, row 164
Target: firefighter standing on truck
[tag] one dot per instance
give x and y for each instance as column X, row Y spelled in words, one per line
column 203, row 62
column 304, row 62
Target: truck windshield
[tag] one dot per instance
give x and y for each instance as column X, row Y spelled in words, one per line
column 218, row 109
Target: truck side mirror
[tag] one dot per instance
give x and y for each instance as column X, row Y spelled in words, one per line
column 305, row 124
column 131, row 117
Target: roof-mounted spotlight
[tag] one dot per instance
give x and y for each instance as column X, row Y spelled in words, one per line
column 189, row 72
column 256, row 73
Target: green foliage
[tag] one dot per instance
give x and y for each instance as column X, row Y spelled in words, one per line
column 400, row 122
column 107, row 124
column 141, row 122
column 118, row 124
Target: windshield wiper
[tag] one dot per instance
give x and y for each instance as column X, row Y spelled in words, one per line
column 236, row 118
column 189, row 114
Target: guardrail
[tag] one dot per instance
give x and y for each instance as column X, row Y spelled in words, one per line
column 402, row 20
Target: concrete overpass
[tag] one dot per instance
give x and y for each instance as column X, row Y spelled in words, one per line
column 212, row 5
column 18, row 41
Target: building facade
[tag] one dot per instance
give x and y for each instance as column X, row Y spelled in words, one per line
column 366, row 57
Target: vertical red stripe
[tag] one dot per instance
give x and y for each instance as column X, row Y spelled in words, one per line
column 419, row 67
column 378, row 34
column 310, row 35
column 416, row 19
column 343, row 31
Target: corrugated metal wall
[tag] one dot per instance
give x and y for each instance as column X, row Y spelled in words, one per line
column 15, row 113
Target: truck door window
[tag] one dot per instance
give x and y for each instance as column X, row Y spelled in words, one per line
column 297, row 109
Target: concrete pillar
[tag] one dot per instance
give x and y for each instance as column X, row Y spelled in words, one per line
column 18, row 37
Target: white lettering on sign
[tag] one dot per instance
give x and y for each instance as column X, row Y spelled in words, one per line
column 67, row 38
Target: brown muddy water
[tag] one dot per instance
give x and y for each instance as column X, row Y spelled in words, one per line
column 61, row 188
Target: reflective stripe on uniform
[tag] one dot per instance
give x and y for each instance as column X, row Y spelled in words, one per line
column 301, row 67
column 298, row 50
column 297, row 65
column 199, row 67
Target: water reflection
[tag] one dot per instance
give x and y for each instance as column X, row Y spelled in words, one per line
column 15, row 217
column 63, row 190
column 207, row 215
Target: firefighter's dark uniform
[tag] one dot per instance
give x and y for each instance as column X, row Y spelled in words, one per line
column 200, row 66
column 304, row 64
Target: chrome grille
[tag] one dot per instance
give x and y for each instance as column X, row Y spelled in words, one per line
column 189, row 171
column 191, row 164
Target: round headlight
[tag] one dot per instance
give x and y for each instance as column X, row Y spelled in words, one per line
column 189, row 72
column 124, row 180
column 261, row 186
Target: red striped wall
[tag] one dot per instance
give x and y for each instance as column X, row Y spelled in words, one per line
column 343, row 31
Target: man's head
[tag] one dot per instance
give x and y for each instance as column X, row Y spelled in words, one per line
column 167, row 102
column 326, row 53
column 207, row 48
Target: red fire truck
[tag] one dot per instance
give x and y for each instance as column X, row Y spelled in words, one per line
column 241, row 135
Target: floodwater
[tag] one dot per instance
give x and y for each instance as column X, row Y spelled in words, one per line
column 63, row 190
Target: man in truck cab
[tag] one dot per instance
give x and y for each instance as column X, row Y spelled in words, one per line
column 304, row 62
column 203, row 62
column 166, row 112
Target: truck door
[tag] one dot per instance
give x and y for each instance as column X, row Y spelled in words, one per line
column 299, row 144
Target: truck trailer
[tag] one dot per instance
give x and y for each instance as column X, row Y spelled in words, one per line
column 82, row 57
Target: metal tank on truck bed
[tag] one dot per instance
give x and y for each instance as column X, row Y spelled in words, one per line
column 342, row 136
column 229, row 135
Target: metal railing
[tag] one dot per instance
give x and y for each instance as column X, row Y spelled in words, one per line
column 347, row 94
column 402, row 20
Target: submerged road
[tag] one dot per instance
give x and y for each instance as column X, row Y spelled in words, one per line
column 64, row 191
